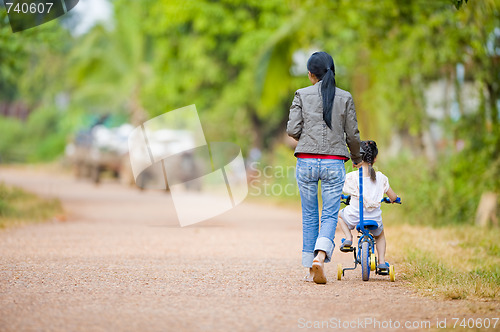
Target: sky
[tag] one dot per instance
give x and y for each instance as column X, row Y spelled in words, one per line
column 88, row 13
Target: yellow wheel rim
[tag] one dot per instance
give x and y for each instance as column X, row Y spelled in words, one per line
column 339, row 271
column 392, row 274
column 373, row 262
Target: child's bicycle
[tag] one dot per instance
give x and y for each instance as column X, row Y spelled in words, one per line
column 366, row 243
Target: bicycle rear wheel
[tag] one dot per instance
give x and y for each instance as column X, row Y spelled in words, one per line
column 365, row 261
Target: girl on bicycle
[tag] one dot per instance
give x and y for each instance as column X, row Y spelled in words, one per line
column 375, row 186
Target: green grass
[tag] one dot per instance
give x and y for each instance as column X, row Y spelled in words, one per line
column 429, row 273
column 18, row 207
column 453, row 262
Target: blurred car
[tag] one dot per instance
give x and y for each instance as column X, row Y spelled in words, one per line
column 183, row 164
column 100, row 149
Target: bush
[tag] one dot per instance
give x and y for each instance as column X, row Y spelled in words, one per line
column 11, row 147
column 42, row 137
column 448, row 193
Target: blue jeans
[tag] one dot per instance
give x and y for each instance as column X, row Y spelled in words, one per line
column 331, row 172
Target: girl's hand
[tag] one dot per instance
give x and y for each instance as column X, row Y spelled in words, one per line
column 392, row 195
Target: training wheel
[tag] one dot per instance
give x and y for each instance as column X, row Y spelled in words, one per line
column 339, row 271
column 373, row 262
column 392, row 274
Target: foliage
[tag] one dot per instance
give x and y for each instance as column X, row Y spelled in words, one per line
column 41, row 138
column 11, row 148
column 109, row 67
column 459, row 3
column 28, row 64
column 232, row 58
column 226, row 57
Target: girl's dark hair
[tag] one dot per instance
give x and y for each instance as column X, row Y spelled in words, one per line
column 370, row 152
column 321, row 65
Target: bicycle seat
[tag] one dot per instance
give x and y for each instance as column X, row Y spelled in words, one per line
column 369, row 225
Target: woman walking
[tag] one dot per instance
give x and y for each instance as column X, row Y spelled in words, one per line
column 323, row 121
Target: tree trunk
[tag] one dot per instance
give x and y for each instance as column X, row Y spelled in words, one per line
column 487, row 210
column 137, row 114
column 258, row 133
column 492, row 98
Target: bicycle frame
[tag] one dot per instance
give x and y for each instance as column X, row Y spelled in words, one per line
column 364, row 235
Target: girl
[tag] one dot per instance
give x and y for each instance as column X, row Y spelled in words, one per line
column 322, row 120
column 375, row 185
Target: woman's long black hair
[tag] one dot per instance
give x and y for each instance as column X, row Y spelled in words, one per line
column 321, row 65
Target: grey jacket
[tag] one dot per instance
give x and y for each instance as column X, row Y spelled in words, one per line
column 307, row 126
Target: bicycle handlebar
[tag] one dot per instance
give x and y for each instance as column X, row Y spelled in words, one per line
column 346, row 199
column 388, row 201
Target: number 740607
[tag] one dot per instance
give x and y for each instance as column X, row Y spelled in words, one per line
column 475, row 323
column 29, row 8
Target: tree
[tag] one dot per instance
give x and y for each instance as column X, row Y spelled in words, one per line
column 109, row 68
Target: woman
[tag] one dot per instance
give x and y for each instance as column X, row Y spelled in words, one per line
column 322, row 120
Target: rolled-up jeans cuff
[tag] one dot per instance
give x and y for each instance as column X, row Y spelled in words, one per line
column 307, row 259
column 326, row 245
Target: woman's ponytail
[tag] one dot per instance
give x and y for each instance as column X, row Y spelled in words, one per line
column 328, row 95
column 321, row 65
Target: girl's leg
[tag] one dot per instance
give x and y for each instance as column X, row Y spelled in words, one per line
column 345, row 229
column 380, row 244
column 307, row 180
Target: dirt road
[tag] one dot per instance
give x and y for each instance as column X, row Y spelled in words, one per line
column 120, row 262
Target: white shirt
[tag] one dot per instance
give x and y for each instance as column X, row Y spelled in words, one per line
column 373, row 192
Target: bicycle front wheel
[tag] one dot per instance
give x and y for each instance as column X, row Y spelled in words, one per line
column 365, row 261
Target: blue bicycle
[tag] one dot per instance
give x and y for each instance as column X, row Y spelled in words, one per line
column 365, row 255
